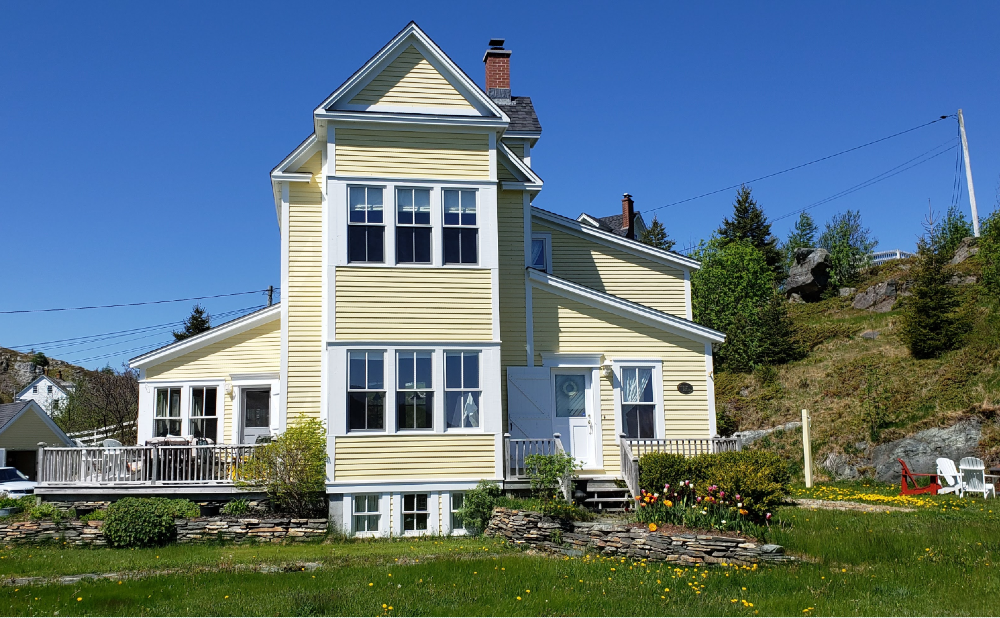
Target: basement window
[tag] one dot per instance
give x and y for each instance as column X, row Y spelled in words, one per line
column 413, row 226
column 457, row 502
column 366, row 390
column 167, row 420
column 366, row 228
column 366, row 513
column 461, row 236
column 415, row 512
column 638, row 407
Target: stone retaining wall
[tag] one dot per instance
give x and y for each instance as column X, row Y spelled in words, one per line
column 617, row 539
column 199, row 530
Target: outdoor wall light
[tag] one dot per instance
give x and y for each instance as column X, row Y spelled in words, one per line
column 607, row 370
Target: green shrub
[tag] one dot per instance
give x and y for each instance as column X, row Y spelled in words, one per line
column 759, row 478
column 140, row 522
column 478, row 505
column 46, row 510
column 560, row 509
column 182, row 509
column 548, row 473
column 292, row 469
column 25, row 502
column 97, row 515
column 236, row 508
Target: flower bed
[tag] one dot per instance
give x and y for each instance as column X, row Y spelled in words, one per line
column 713, row 510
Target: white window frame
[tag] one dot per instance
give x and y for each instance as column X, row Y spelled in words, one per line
column 478, row 226
column 219, row 407
column 398, row 225
column 385, row 226
column 429, row 512
column 547, row 239
column 435, row 396
column 180, row 418
column 659, row 412
column 383, row 515
column 451, row 514
column 387, row 412
column 446, row 389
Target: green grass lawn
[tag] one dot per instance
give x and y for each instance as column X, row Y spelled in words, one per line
column 940, row 559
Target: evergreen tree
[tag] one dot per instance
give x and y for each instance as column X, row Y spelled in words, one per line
column 779, row 343
column 989, row 253
column 802, row 235
column 850, row 246
column 656, row 236
column 951, row 231
column 749, row 224
column 197, row 322
column 932, row 324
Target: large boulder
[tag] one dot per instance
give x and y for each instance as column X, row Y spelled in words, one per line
column 966, row 249
column 921, row 450
column 881, row 297
column 810, row 275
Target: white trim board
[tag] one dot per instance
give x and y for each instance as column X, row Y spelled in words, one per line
column 607, row 238
column 223, row 331
column 623, row 308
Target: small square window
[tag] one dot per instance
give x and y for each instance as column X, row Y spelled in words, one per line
column 415, row 512
column 366, row 513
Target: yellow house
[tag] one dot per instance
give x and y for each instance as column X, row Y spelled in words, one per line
column 439, row 324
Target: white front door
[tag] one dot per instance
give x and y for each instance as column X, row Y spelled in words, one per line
column 573, row 411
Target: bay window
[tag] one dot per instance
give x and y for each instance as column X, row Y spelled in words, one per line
column 461, row 236
column 204, row 421
column 637, row 403
column 462, row 389
column 366, row 228
column 366, row 391
column 413, row 226
column 414, row 390
column 167, row 416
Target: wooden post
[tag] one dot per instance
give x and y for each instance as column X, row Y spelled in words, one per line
column 968, row 175
column 807, row 448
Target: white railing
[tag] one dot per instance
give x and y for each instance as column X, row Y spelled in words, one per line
column 143, row 465
column 881, row 257
column 631, row 450
column 93, row 436
column 517, row 449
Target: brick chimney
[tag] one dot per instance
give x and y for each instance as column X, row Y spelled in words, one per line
column 497, row 61
column 628, row 216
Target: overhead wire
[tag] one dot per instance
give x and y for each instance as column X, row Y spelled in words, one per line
column 151, row 302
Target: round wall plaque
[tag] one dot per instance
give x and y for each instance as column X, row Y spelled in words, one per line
column 685, row 388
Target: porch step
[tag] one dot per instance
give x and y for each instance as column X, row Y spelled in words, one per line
column 606, row 496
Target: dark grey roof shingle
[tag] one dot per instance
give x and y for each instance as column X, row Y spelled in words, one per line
column 522, row 115
column 10, row 410
column 613, row 223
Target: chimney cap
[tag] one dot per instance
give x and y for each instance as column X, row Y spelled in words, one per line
column 496, row 43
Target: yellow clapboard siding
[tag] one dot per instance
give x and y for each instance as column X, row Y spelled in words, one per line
column 305, row 293
column 411, row 80
column 411, row 304
column 517, row 148
column 469, row 456
column 505, row 174
column 414, row 154
column 513, row 331
column 563, row 325
column 257, row 350
column 616, row 272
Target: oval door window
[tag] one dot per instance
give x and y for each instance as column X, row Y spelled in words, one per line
column 685, row 388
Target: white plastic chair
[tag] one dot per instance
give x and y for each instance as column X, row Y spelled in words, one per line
column 974, row 476
column 949, row 477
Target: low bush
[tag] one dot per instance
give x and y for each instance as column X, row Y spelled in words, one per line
column 142, row 522
column 46, row 510
column 236, row 508
column 478, row 505
column 97, row 515
column 24, row 502
column 759, row 478
column 548, row 473
column 292, row 469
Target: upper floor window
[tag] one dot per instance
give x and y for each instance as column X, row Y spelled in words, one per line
column 34, row 389
column 366, row 227
column 414, row 394
column 48, row 389
column 541, row 252
column 413, row 226
column 366, row 390
column 461, row 384
column 638, row 407
column 204, row 420
column 461, row 236
column 168, row 412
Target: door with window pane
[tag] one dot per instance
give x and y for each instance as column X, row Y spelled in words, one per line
column 573, row 410
column 256, row 417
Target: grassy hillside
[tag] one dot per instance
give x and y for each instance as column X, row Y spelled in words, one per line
column 16, row 372
column 872, row 390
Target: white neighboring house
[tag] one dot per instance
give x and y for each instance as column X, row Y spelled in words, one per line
column 48, row 392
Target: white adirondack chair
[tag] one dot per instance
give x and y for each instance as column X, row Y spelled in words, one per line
column 949, row 477
column 974, row 475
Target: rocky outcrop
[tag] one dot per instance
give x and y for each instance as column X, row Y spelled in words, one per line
column 921, row 450
column 881, row 297
column 966, row 249
column 810, row 275
column 617, row 539
column 756, row 434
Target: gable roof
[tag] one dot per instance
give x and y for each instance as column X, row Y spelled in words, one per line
column 62, row 385
column 624, row 308
column 216, row 333
column 613, row 223
column 588, row 230
column 342, row 99
column 10, row 412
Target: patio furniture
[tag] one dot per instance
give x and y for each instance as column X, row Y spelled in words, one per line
column 974, row 474
column 949, row 477
column 912, row 488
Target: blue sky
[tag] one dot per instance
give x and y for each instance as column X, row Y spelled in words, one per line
column 136, row 139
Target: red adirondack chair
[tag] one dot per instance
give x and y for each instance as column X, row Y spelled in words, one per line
column 913, row 489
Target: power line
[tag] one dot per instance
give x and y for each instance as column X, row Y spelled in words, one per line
column 151, row 302
column 893, row 171
column 800, row 166
column 120, row 352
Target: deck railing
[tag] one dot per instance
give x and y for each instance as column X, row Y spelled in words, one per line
column 632, row 449
column 143, row 465
column 515, row 450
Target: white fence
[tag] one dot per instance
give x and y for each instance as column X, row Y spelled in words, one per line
column 882, row 257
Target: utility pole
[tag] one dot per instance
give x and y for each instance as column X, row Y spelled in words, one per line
column 968, row 175
column 270, row 293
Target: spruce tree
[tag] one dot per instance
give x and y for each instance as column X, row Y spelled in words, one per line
column 932, row 324
column 749, row 224
column 850, row 245
column 656, row 236
column 197, row 322
column 802, row 235
column 951, row 231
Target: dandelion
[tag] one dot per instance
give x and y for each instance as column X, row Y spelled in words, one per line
column 79, row 598
column 518, row 598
